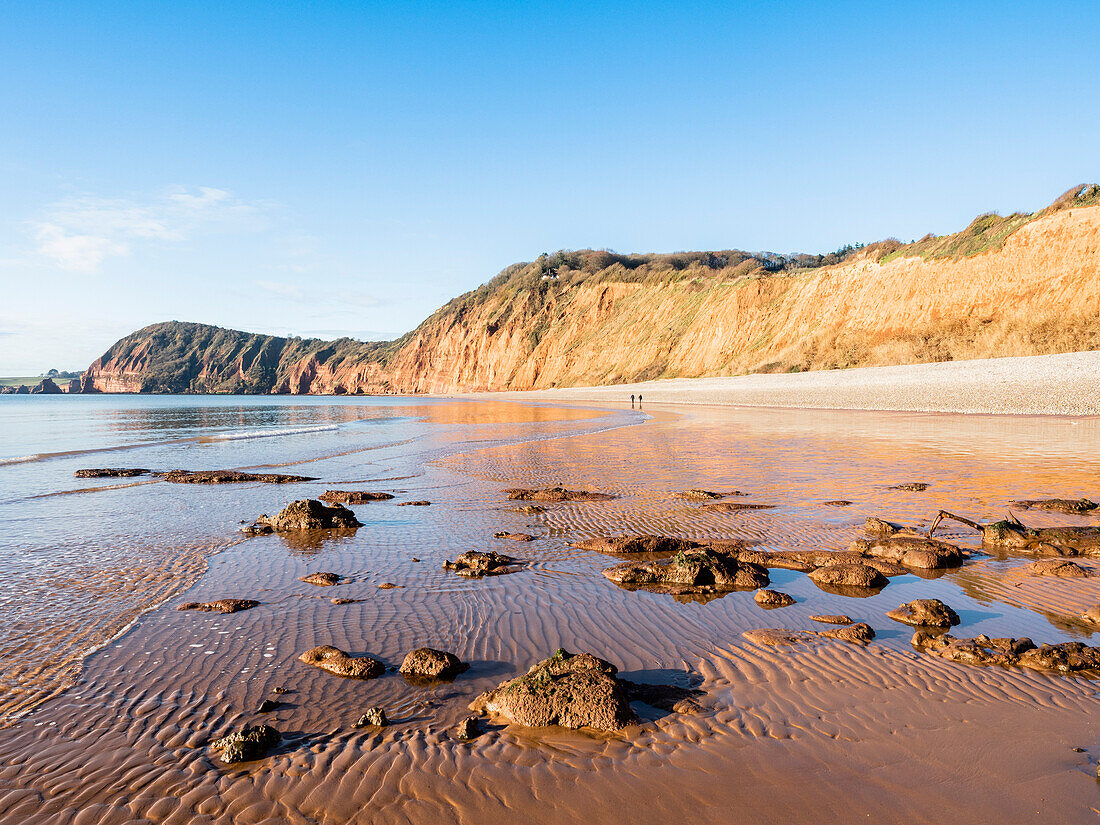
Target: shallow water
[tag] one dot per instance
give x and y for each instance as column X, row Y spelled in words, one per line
column 823, row 730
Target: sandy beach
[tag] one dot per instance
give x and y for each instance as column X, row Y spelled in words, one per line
column 822, row 728
column 1067, row 384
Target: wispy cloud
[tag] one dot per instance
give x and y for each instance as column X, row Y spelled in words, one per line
column 79, row 233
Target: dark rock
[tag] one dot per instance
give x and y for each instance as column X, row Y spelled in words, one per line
column 833, row 619
column 468, row 728
column 625, row 545
column 221, row 606
column 389, row 586
column 345, row 601
column 337, row 661
column 849, row 575
column 513, row 536
column 426, row 663
column 251, row 742
column 912, row 486
column 1060, row 568
column 840, row 502
column 705, row 495
column 414, row 504
column 925, row 613
column 772, row 598
column 911, row 551
column 693, row 570
column 47, row 387
column 373, row 717
column 321, row 579
column 268, row 705
column 1073, row 507
column 352, row 496
column 280, row 690
column 555, row 494
column 474, row 564
column 230, row 477
column 529, row 508
column 570, row 690
column 734, row 506
column 310, row 514
column 112, row 472
column 1064, row 658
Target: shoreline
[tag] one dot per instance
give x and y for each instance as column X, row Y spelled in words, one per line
column 1066, row 384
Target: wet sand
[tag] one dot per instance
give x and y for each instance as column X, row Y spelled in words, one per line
column 824, row 731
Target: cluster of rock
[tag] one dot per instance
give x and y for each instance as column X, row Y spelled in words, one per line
column 353, row 496
column 221, row 606
column 859, row 633
column 1064, row 658
column 230, row 477
column 251, row 742
column 1012, row 534
column 475, row 564
column 112, row 472
column 698, row 570
column 554, row 494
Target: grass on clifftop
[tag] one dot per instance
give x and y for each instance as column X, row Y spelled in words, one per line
column 989, row 231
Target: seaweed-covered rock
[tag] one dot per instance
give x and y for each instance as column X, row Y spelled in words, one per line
column 696, row 494
column 527, row 508
column 112, row 472
column 912, row 486
column 221, row 606
column 426, row 663
column 772, row 598
column 911, row 551
column 1064, row 658
column 310, row 514
column 321, row 579
column 555, row 494
column 1073, row 507
column 373, row 717
column 627, row 545
column 353, row 496
column 570, row 690
column 475, row 564
column 230, row 477
column 1059, row 568
column 504, row 534
column 251, row 742
column 734, row 506
column 849, row 575
column 925, row 613
column 414, row 504
column 337, row 661
column 702, row 570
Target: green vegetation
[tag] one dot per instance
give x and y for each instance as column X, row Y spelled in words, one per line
column 986, row 232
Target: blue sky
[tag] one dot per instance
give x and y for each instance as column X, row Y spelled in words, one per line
column 331, row 169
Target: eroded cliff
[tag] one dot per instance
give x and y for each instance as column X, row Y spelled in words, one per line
column 1021, row 285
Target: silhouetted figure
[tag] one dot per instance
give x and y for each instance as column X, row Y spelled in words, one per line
column 639, row 400
column 631, row 401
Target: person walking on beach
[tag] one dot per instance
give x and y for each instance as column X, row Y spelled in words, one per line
column 639, row 400
column 632, row 401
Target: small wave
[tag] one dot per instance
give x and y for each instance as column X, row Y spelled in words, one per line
column 271, row 433
column 23, row 458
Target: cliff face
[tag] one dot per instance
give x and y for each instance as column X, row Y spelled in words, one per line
column 1033, row 289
